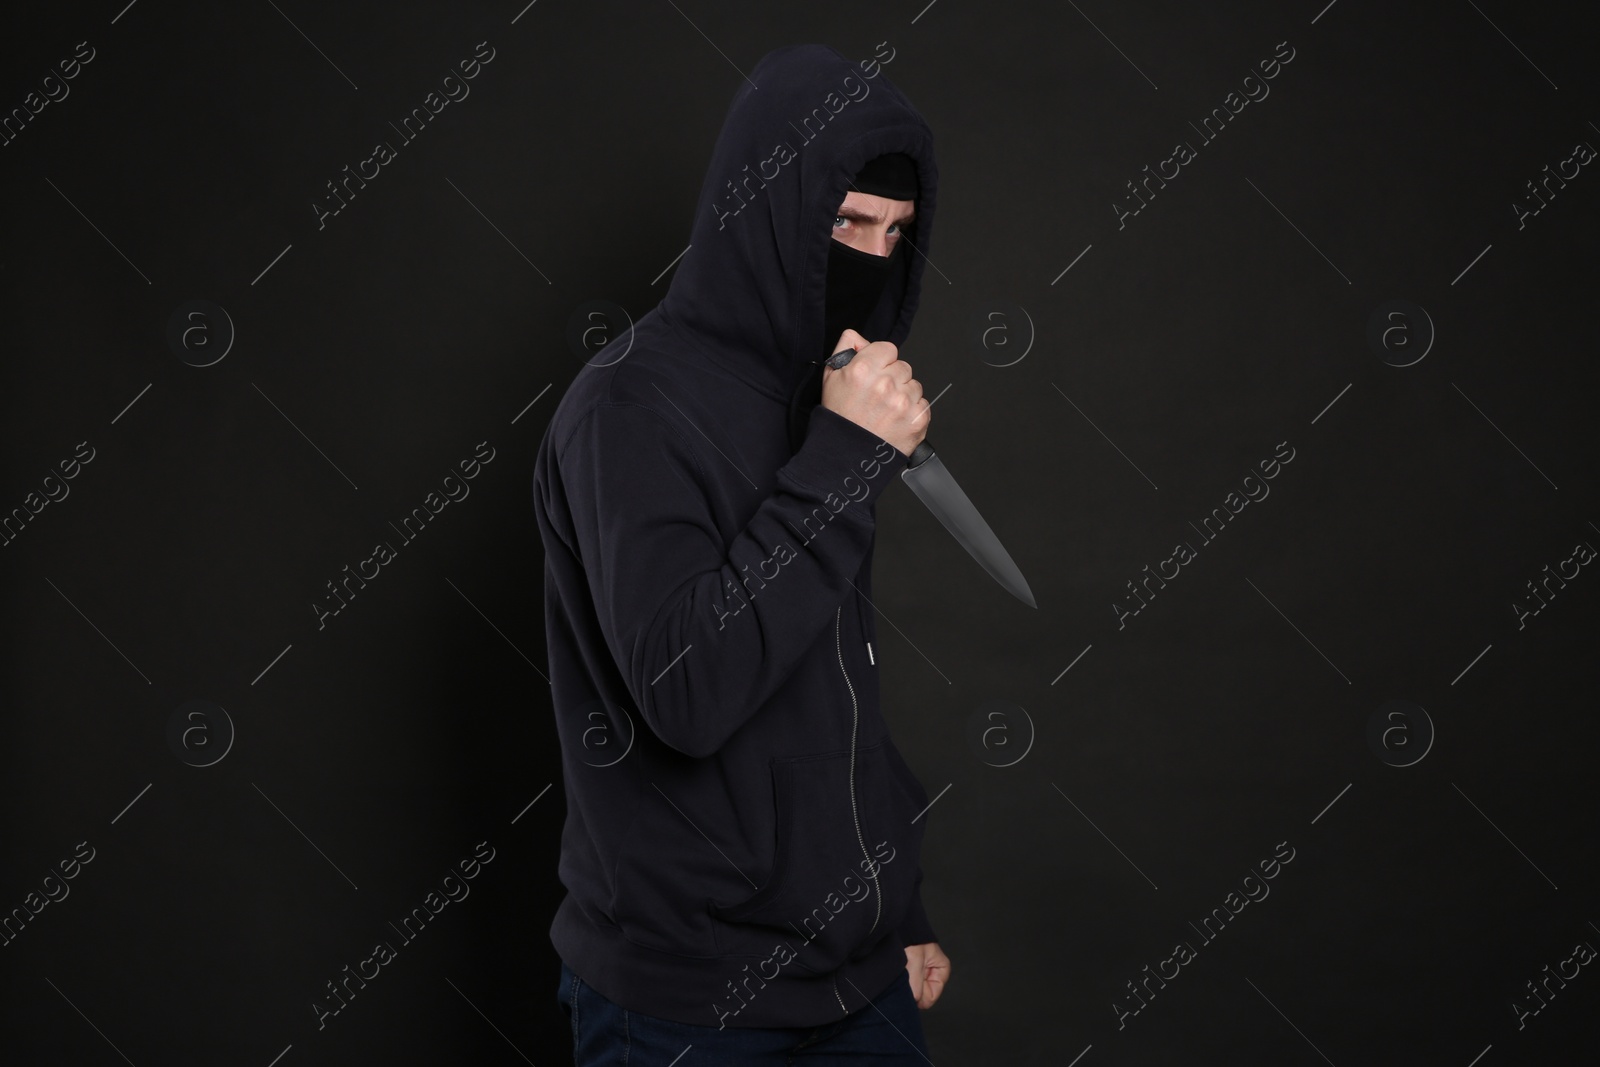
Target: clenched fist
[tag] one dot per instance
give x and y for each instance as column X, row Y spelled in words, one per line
column 876, row 391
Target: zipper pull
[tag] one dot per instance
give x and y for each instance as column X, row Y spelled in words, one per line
column 869, row 654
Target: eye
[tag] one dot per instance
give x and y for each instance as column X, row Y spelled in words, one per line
column 836, row 220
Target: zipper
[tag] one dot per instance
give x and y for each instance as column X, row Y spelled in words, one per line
column 855, row 716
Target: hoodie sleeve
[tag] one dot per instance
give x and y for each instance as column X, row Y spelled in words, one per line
column 698, row 652
column 915, row 929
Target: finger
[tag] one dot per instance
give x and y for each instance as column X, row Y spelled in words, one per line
column 879, row 354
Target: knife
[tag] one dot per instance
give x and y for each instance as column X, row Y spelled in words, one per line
column 925, row 473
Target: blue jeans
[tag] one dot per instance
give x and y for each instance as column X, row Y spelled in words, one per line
column 887, row 1033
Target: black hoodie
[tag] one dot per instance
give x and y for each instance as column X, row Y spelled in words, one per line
column 739, row 846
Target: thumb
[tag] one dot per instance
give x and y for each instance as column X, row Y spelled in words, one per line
column 916, row 969
column 917, row 978
column 850, row 339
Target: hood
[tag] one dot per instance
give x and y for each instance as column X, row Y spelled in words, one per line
column 749, row 292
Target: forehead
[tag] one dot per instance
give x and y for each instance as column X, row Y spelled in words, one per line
column 877, row 207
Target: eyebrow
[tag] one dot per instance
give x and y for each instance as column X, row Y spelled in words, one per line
column 855, row 214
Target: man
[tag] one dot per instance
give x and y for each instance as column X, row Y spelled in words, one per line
column 741, row 860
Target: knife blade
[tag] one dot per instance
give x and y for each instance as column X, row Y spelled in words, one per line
column 925, row 473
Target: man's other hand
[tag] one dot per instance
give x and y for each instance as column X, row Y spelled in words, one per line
column 929, row 969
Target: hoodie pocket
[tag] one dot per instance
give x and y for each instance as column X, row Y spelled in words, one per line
column 841, row 879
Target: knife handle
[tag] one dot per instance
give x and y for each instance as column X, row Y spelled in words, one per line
column 923, row 450
column 841, row 357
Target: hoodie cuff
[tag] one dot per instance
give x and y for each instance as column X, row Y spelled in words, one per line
column 841, row 457
column 915, row 929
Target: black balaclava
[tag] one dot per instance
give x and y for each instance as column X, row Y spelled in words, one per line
column 856, row 281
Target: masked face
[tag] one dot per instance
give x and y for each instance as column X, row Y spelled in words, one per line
column 868, row 229
column 856, row 281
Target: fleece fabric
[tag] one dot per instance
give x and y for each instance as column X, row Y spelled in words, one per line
column 742, row 839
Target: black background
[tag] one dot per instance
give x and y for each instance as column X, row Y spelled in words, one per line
column 1231, row 714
